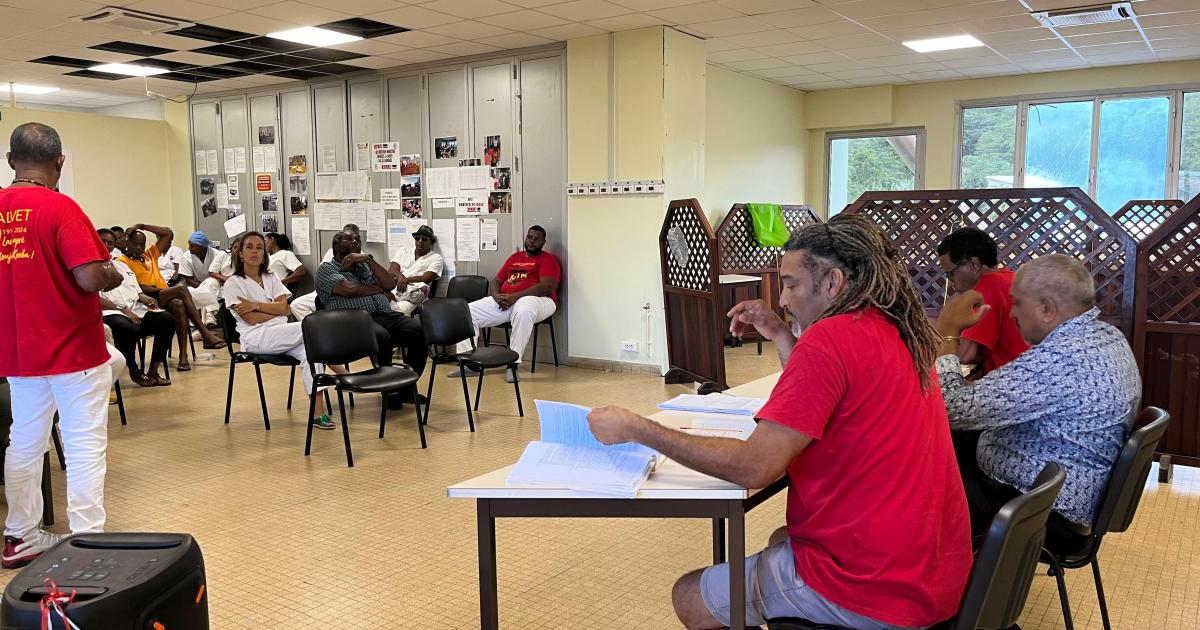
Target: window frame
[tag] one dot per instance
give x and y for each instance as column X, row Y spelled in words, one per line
column 918, row 159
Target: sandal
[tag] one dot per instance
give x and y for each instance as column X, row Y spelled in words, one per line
column 142, row 380
column 184, row 367
column 159, row 380
column 216, row 346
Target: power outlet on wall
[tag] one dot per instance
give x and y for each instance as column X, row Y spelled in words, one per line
column 629, row 346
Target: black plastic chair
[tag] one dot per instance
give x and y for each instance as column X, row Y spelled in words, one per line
column 446, row 322
column 1118, row 505
column 469, row 288
column 229, row 328
column 507, row 328
column 342, row 336
column 1004, row 564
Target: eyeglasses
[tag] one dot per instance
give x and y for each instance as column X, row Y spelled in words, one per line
column 421, row 238
column 950, row 272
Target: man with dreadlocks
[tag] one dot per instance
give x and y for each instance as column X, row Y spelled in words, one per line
column 877, row 529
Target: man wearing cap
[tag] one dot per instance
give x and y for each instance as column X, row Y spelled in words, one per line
column 304, row 305
column 194, row 271
column 414, row 270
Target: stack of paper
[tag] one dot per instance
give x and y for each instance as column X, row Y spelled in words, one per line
column 714, row 403
column 569, row 456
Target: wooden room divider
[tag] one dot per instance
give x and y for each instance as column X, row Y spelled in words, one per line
column 741, row 253
column 692, row 297
column 1140, row 217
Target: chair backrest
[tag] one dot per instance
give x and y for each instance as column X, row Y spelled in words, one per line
column 1008, row 558
column 446, row 321
column 228, row 326
column 469, row 288
column 1119, row 502
column 318, row 305
column 340, row 335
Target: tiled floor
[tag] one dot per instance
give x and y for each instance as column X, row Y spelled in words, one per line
column 294, row 542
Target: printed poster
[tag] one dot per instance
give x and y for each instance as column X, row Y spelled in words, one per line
column 385, row 157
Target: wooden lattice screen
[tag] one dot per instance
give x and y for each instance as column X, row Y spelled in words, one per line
column 1140, row 217
column 741, row 253
column 1167, row 328
column 691, row 296
column 1026, row 222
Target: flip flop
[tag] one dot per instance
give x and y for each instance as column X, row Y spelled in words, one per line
column 184, row 367
column 215, row 346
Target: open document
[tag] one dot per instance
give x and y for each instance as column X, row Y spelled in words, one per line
column 714, row 403
column 569, row 456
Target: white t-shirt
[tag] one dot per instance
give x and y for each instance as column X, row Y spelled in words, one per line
column 222, row 262
column 411, row 266
column 168, row 263
column 238, row 288
column 283, row 263
column 126, row 295
column 195, row 267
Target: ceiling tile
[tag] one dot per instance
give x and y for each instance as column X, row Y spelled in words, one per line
column 786, row 72
column 873, row 52
column 1131, row 48
column 369, row 47
column 1177, row 42
column 829, row 29
column 467, row 30
column 1168, row 32
column 239, row 5
column 692, row 13
column 567, row 31
column 413, row 17
column 732, row 26
column 523, row 20
column 795, row 48
column 1170, row 19
column 862, row 74
column 717, row 44
column 462, row 49
column 803, row 18
column 757, row 64
column 511, row 41
column 470, row 8
column 1120, row 37
column 628, row 22
column 759, row 7
column 298, row 12
column 193, row 58
column 419, row 56
column 533, row 4
column 210, row 33
column 373, row 62
column 417, row 39
column 358, row 7
column 584, row 10
column 256, row 24
column 652, row 5
column 813, row 58
column 814, row 86
column 765, row 38
column 181, row 9
column 739, row 54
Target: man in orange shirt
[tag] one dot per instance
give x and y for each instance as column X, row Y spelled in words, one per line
column 177, row 299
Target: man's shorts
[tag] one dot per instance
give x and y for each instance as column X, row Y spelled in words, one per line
column 774, row 590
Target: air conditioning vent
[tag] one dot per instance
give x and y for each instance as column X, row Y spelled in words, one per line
column 1080, row 16
column 133, row 20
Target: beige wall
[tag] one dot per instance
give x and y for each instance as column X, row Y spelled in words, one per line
column 934, row 106
column 126, row 170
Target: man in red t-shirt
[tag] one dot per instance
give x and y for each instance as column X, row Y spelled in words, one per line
column 524, row 292
column 51, row 343
column 877, row 529
column 970, row 258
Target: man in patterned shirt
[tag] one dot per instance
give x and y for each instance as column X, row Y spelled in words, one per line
column 354, row 280
column 1069, row 399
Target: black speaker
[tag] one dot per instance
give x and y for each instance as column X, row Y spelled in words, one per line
column 121, row 582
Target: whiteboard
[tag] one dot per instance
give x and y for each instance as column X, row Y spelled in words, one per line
column 66, row 182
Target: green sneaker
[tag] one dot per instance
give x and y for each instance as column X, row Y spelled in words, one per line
column 323, row 422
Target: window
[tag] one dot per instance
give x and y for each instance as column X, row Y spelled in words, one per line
column 883, row 160
column 1059, row 145
column 989, row 138
column 1189, row 148
column 1132, row 153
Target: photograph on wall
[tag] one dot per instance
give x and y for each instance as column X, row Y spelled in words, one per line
column 491, row 151
column 208, row 207
column 270, row 223
column 297, row 165
column 266, row 135
column 500, row 203
column 298, row 205
column 297, row 184
column 234, row 210
column 410, row 164
column 410, row 186
column 445, row 148
column 411, row 209
column 501, row 178
column 207, row 186
column 270, row 202
column 470, row 162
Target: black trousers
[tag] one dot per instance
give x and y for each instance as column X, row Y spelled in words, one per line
column 157, row 324
column 985, row 497
column 397, row 330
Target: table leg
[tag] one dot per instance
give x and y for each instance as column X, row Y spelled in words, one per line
column 737, row 567
column 489, row 607
column 718, row 540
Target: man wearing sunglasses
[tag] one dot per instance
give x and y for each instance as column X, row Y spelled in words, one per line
column 414, row 270
column 969, row 258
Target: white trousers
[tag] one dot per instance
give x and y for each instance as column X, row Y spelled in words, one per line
column 205, row 295
column 526, row 312
column 304, row 305
column 81, row 399
column 404, row 306
column 282, row 339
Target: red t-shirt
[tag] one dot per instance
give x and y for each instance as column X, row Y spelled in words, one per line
column 48, row 325
column 876, row 510
column 997, row 331
column 522, row 271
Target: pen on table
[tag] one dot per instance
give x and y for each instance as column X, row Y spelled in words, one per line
column 707, row 429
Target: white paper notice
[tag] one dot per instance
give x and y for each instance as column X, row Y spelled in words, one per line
column 362, row 156
column 385, row 157
column 235, row 226
column 442, row 202
column 473, row 205
column 201, row 164
column 329, row 186
column 328, row 158
column 473, row 178
column 239, row 155
column 468, row 239
column 376, row 223
column 222, row 195
column 300, row 236
column 328, row 216
column 399, row 235
column 230, row 161
column 443, row 229
column 441, row 182
column 489, row 239
column 210, row 156
column 355, row 213
column 390, row 198
column 270, row 158
column 257, row 152
column 356, row 185
column 233, row 187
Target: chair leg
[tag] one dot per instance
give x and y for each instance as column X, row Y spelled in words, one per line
column 345, row 429
column 192, row 342
column 517, row 389
column 142, row 353
column 262, row 397
column 428, row 393
column 420, row 422
column 312, row 408
column 56, row 437
column 328, row 404
column 382, row 412
column 1057, row 569
column 554, row 342
column 229, row 391
column 479, row 389
column 462, row 374
column 291, row 386
column 533, row 365
column 120, row 402
column 1100, row 593
column 347, row 366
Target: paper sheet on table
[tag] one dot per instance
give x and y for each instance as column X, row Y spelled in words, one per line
column 442, row 202
column 328, row 158
column 735, row 427
column 222, row 191
column 362, row 156
column 329, row 186
column 328, row 216
column 715, row 403
column 468, row 239
column 390, row 198
column 443, row 229
column 471, row 178
column 259, row 164
column 235, row 226
column 210, row 156
column 270, row 158
column 489, row 235
column 441, row 182
column 230, row 161
column 239, row 155
column 376, row 223
column 355, row 213
column 300, row 236
column 201, row 163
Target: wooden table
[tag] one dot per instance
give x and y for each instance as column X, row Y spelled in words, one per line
column 672, row 491
column 735, row 288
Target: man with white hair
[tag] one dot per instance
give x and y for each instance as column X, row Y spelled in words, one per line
column 1069, row 399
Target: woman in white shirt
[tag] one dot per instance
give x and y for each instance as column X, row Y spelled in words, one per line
column 258, row 301
column 284, row 263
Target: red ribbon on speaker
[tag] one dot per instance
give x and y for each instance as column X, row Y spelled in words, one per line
column 54, row 602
